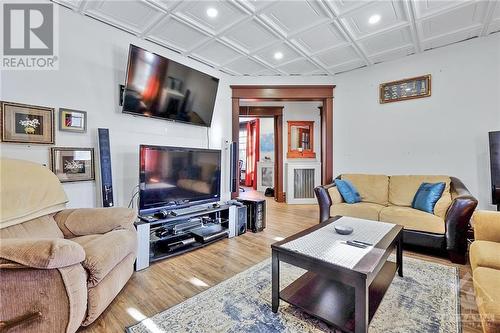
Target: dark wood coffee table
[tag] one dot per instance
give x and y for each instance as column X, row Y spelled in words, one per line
column 345, row 297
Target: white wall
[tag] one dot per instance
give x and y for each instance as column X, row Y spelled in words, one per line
column 446, row 133
column 93, row 59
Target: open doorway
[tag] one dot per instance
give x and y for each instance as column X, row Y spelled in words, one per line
column 260, row 150
column 322, row 96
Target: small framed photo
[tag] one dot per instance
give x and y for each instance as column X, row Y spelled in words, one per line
column 23, row 123
column 72, row 120
column 72, row 164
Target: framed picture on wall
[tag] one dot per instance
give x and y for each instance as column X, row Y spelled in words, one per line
column 72, row 164
column 72, row 120
column 411, row 88
column 23, row 123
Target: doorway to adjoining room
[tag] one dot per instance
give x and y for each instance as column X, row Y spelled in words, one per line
column 257, row 155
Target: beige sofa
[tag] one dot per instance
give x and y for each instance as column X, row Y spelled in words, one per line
column 485, row 263
column 389, row 199
column 59, row 268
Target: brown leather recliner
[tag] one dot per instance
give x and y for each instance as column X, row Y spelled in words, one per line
column 59, row 268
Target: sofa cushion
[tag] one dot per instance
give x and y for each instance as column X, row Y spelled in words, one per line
column 104, row 252
column 413, row 219
column 487, row 291
column 372, row 188
column 348, row 191
column 484, row 254
column 427, row 196
column 362, row 210
column 334, row 194
column 402, row 190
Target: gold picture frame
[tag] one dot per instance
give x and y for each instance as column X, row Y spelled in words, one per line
column 24, row 123
column 401, row 90
column 72, row 120
column 71, row 164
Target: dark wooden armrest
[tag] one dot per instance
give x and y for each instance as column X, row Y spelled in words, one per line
column 324, row 201
column 457, row 219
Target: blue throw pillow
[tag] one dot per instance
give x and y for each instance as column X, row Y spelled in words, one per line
column 348, row 191
column 427, row 195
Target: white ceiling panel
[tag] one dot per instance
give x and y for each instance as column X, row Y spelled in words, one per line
column 216, row 53
column 196, row 13
column 287, row 53
column 257, row 5
column 494, row 27
column 337, row 56
column 176, row 34
column 314, row 36
column 319, row 38
column 250, row 36
column 245, row 66
column 341, row 7
column 391, row 55
column 459, row 18
column 347, row 66
column 386, row 41
column 166, row 4
column 450, row 38
column 391, row 14
column 267, row 72
column 293, row 16
column 300, row 66
column 424, row 8
column 133, row 15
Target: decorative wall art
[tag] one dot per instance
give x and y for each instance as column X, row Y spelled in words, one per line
column 72, row 120
column 72, row 164
column 415, row 87
column 22, row 123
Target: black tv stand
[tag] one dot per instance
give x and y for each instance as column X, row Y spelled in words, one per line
column 161, row 238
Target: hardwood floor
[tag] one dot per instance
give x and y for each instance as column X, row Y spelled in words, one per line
column 169, row 282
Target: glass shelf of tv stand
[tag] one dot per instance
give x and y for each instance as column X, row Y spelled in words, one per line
column 161, row 247
column 188, row 216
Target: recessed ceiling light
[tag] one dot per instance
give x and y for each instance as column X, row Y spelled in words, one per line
column 374, row 19
column 212, row 12
column 278, row 55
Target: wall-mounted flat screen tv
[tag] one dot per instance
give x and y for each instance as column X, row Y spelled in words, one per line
column 177, row 177
column 162, row 88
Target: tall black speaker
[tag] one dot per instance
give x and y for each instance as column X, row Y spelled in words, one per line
column 105, row 164
column 234, row 174
column 495, row 167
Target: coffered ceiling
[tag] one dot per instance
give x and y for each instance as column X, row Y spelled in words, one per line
column 298, row 37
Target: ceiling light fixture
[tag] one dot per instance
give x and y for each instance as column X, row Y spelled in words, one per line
column 374, row 19
column 212, row 12
column 278, row 55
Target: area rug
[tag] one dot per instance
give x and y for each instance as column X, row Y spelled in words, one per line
column 426, row 299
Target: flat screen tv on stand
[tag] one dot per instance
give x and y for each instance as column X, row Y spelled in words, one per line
column 173, row 177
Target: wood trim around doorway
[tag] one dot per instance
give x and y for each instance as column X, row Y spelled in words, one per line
column 323, row 93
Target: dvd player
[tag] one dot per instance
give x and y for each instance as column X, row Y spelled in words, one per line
column 209, row 232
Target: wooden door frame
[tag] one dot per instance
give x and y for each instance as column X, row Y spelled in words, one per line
column 321, row 93
column 275, row 112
